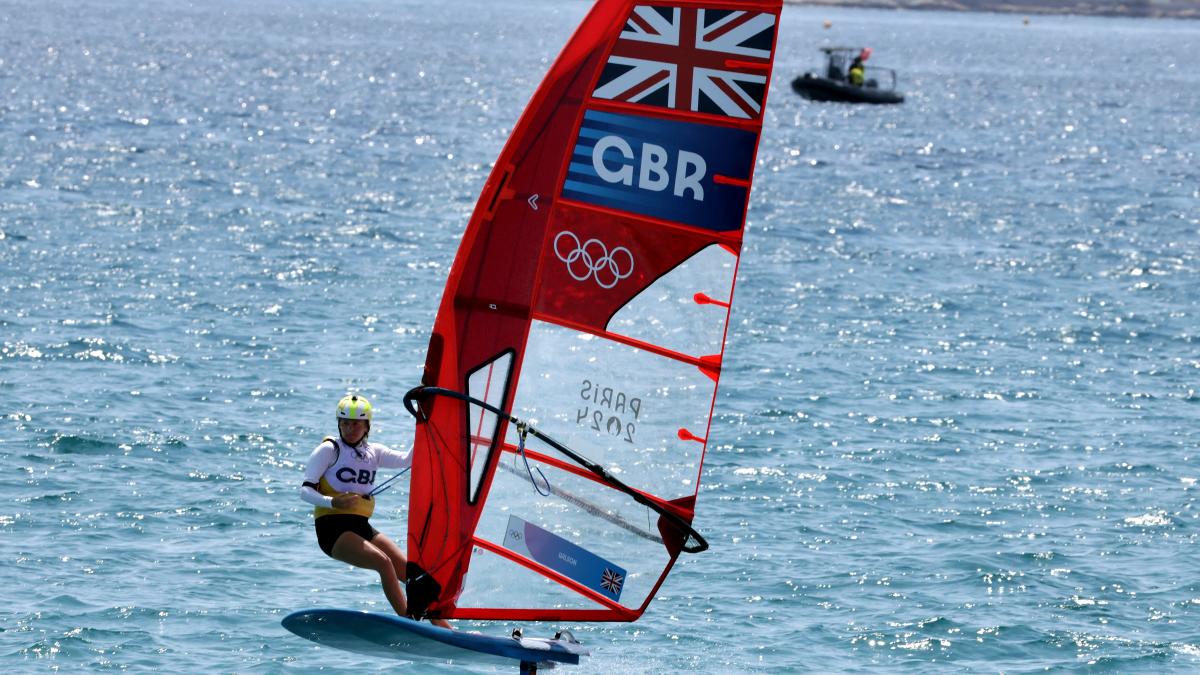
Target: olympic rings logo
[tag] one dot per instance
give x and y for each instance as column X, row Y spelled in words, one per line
column 592, row 259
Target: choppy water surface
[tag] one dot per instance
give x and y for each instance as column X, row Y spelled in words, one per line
column 958, row 426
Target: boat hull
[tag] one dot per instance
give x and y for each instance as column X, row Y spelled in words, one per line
column 816, row 88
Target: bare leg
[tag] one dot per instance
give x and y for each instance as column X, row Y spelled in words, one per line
column 383, row 543
column 353, row 549
column 389, row 547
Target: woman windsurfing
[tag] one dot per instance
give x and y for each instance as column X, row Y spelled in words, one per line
column 339, row 481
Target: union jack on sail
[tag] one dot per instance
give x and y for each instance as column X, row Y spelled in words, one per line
column 688, row 59
column 611, row 581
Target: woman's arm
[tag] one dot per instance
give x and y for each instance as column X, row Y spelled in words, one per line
column 393, row 459
column 320, row 460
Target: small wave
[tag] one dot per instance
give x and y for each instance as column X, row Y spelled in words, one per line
column 83, row 349
column 67, row 496
column 1078, row 602
column 1187, row 649
column 1152, row 519
column 924, row 644
column 66, row 601
column 69, row 444
column 78, row 643
column 19, row 350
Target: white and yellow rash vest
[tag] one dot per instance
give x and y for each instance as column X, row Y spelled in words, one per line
column 336, row 467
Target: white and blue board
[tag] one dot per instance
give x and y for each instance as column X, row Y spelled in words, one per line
column 394, row 637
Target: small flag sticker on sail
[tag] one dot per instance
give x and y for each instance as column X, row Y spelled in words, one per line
column 611, row 581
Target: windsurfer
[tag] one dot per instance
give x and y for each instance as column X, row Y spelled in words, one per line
column 338, row 481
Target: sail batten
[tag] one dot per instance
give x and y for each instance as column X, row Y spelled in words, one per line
column 572, row 374
column 698, row 361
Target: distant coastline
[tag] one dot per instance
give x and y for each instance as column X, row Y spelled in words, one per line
column 1178, row 9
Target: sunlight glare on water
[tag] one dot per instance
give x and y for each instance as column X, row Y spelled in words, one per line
column 956, row 428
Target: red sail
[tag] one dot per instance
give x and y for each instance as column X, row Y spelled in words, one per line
column 589, row 299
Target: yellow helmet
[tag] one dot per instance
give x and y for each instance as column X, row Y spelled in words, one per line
column 354, row 407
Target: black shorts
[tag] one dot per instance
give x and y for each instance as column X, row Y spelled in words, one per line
column 330, row 527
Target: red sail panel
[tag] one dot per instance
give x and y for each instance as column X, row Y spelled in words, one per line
column 590, row 298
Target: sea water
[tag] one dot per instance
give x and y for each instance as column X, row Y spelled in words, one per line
column 959, row 419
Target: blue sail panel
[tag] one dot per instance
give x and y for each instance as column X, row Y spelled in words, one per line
column 662, row 168
column 564, row 557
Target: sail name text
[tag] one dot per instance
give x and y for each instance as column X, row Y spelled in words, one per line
column 654, row 172
column 608, row 410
